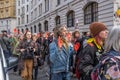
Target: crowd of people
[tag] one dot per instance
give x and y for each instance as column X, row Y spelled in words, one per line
column 93, row 55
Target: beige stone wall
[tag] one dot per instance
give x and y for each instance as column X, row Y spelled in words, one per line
column 7, row 8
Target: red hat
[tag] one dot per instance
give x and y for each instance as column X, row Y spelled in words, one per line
column 96, row 28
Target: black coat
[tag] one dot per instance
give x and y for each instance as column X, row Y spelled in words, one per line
column 88, row 60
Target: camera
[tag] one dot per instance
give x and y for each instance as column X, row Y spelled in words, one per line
column 30, row 49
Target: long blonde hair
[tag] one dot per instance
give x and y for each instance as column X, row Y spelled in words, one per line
column 59, row 34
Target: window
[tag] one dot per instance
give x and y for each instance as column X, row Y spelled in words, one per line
column 39, row 27
column 91, row 13
column 31, row 30
column 1, row 11
column 70, row 19
column 40, row 9
column 18, row 21
column 23, row 1
column 27, row 8
column 22, row 19
column 18, row 3
column 31, row 4
column 18, row 11
column 35, row 2
column 46, row 5
column 34, row 29
column 58, row 2
column 27, row 18
column 57, row 19
column 2, row 3
column 7, row 14
column 46, row 25
column 7, row 10
column 14, row 12
column 7, row 2
column 35, row 13
column 1, row 24
column 31, row 16
column 23, row 10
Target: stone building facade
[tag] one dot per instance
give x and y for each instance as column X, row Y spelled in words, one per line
column 44, row 15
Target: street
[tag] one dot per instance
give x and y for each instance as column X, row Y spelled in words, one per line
column 41, row 74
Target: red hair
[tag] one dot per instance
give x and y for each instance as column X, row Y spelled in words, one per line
column 99, row 41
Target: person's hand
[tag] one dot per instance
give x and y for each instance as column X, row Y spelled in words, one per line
column 34, row 49
column 22, row 50
column 37, row 56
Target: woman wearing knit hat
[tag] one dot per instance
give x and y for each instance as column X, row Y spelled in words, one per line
column 90, row 55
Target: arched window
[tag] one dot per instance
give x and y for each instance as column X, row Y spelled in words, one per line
column 31, row 30
column 46, row 25
column 57, row 20
column 70, row 19
column 46, row 5
column 58, row 2
column 39, row 27
column 91, row 13
column 34, row 28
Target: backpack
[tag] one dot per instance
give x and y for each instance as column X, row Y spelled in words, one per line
column 107, row 69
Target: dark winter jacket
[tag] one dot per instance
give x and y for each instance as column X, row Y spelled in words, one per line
column 89, row 58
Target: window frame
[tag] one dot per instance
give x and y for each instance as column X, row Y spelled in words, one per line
column 39, row 27
column 58, row 2
column 91, row 15
column 31, row 29
column 35, row 29
column 46, row 25
column 71, row 19
column 46, row 5
column 57, row 20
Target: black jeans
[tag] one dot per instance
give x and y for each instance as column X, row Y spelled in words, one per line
column 35, row 72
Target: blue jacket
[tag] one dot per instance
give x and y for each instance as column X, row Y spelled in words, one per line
column 59, row 59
